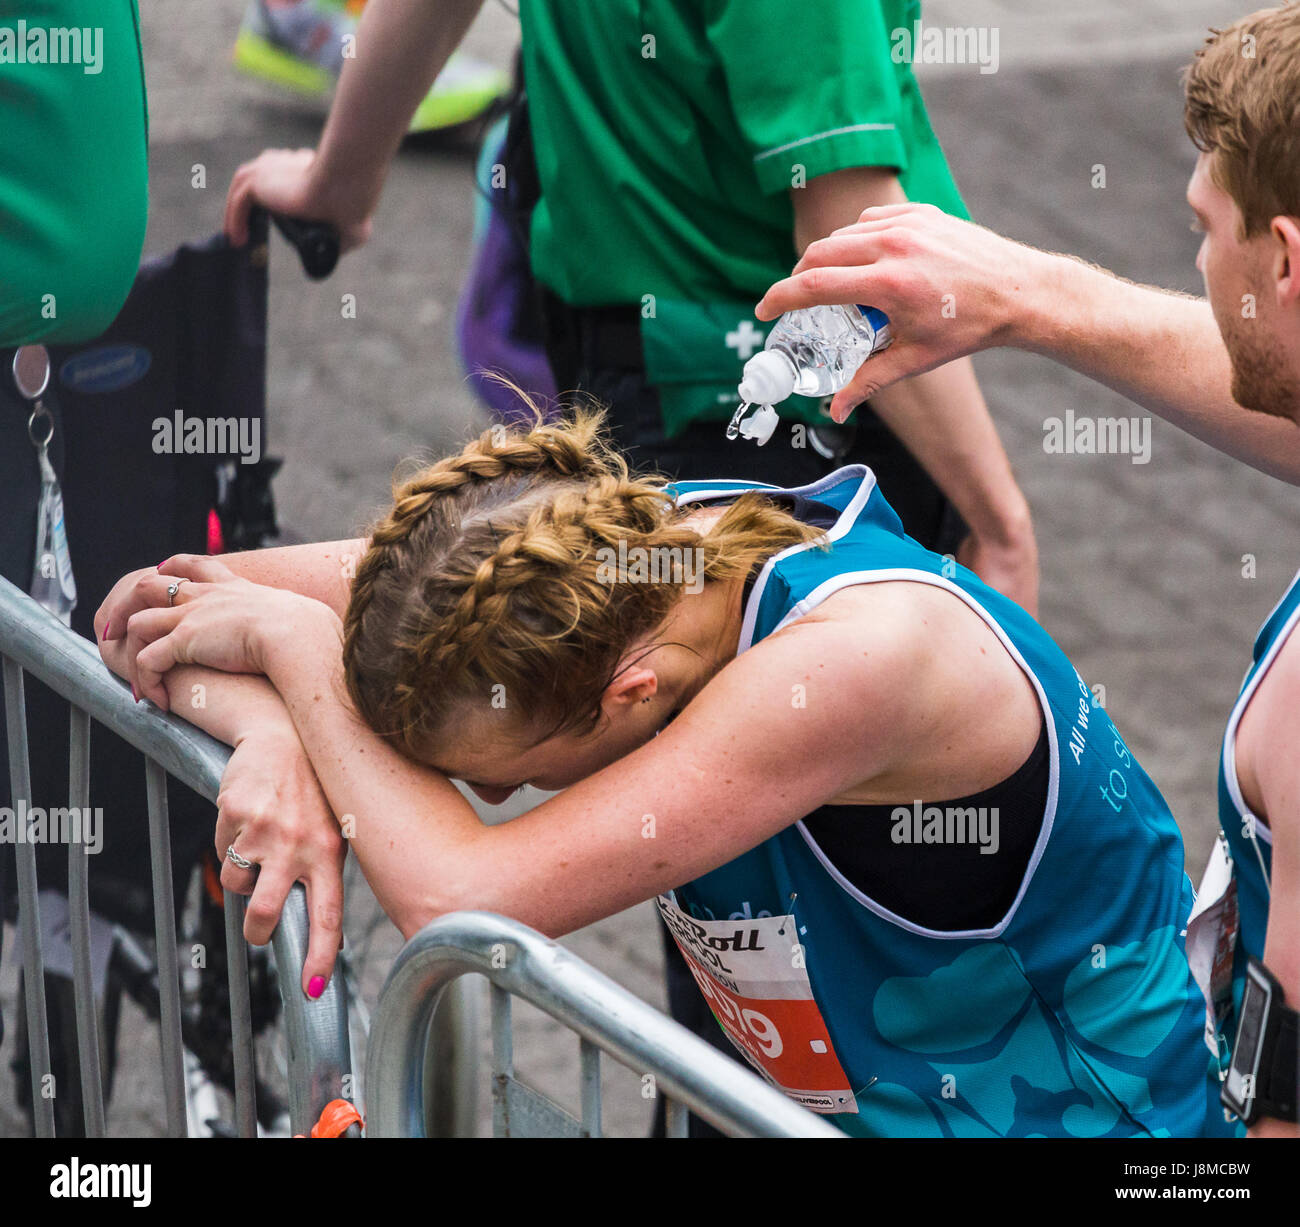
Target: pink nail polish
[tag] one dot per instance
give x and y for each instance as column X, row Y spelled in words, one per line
column 315, row 986
column 108, row 626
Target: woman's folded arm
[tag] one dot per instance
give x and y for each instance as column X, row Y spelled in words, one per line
column 270, row 796
column 740, row 763
column 320, row 570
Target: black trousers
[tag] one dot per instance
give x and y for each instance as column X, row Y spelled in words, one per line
column 597, row 353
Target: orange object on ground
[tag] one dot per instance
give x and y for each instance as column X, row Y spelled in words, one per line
column 335, row 1120
column 212, row 878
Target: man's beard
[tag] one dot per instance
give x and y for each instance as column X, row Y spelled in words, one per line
column 1261, row 378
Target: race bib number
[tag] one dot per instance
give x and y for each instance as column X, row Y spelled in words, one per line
column 752, row 975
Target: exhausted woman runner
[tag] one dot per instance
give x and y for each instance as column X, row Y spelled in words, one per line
column 920, row 878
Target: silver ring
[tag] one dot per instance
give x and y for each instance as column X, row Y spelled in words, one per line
column 238, row 861
column 173, row 588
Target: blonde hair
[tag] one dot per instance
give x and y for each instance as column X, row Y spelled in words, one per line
column 1242, row 96
column 483, row 584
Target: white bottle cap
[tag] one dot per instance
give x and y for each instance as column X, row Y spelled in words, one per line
column 768, row 379
column 760, row 426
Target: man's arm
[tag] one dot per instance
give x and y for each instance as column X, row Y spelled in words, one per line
column 1160, row 349
column 1269, row 770
column 940, row 416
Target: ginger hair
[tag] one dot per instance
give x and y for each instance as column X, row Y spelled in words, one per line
column 483, row 587
column 1242, row 104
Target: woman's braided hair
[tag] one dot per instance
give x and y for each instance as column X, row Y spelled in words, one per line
column 489, row 581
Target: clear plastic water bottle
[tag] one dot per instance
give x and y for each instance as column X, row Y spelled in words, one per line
column 812, row 352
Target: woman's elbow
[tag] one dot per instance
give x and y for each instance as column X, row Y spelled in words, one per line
column 413, row 914
column 411, row 919
column 465, row 871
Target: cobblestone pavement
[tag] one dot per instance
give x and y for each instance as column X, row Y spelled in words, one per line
column 1142, row 564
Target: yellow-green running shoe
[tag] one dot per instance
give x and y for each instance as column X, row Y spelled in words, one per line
column 300, row 45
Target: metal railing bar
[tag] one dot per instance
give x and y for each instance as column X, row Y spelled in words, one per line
column 164, row 917
column 530, row 1114
column 503, row 1043
column 319, row 1042
column 83, row 988
column 503, row 1057
column 451, row 1057
column 589, row 1057
column 561, row 984
column 241, row 1017
column 70, row 666
column 29, row 916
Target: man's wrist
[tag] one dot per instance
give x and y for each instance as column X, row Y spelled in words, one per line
column 1037, row 298
column 1008, row 526
column 348, row 197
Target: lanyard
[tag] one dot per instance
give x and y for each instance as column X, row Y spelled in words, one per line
column 52, row 582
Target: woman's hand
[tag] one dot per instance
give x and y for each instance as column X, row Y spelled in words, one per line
column 215, row 618
column 129, row 595
column 288, row 181
column 272, row 811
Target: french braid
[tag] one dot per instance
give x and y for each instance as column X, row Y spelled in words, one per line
column 484, row 585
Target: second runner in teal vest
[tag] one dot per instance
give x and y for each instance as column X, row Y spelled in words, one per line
column 1250, row 843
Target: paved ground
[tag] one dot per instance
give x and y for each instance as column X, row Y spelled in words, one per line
column 1142, row 564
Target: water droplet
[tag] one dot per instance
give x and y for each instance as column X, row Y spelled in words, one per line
column 733, row 427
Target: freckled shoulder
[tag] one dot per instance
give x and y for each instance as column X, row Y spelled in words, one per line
column 903, row 609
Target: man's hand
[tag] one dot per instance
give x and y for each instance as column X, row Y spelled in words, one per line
column 401, row 46
column 272, row 811
column 949, row 287
column 1010, row 566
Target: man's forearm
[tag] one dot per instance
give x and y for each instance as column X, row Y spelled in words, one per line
column 401, row 46
column 1159, row 349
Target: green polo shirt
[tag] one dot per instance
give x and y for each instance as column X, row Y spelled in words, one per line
column 668, row 135
column 74, row 179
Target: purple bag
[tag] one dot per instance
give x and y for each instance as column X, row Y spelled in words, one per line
column 498, row 321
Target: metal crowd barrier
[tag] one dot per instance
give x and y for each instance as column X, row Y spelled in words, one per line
column 410, row 1082
column 319, row 1055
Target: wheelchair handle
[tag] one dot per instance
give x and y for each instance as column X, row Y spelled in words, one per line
column 317, row 243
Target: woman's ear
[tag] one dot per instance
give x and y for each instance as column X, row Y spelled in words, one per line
column 632, row 686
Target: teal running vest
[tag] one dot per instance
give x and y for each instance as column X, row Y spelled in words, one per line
column 1075, row 1016
column 1250, row 843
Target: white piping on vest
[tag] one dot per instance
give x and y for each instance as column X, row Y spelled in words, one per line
column 1258, row 830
